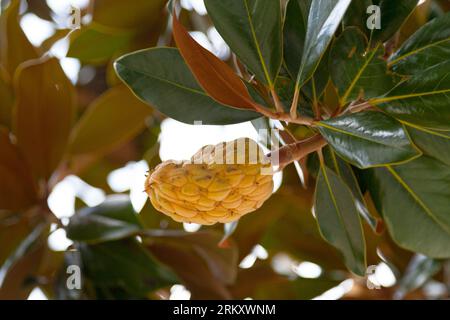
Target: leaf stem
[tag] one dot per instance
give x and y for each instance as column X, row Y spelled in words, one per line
column 353, row 108
column 278, row 105
column 316, row 107
column 307, row 121
column 294, row 104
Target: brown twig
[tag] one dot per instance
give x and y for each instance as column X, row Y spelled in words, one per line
column 298, row 150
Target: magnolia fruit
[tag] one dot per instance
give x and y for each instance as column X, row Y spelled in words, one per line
column 219, row 184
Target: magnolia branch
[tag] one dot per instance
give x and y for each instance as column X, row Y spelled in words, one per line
column 298, row 150
column 282, row 116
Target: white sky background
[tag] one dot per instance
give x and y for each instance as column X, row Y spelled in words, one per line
column 178, row 141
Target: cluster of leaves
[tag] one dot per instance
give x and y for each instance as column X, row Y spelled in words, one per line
column 316, row 53
column 388, row 114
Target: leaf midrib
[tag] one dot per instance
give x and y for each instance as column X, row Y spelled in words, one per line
column 339, row 214
column 415, row 51
column 258, row 49
column 358, row 76
column 167, row 81
column 431, row 132
column 356, row 136
column 410, row 191
column 407, row 96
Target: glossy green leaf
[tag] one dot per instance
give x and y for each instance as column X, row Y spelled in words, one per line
column 356, row 15
column 314, row 88
column 112, row 220
column 345, row 172
column 356, row 72
column 43, row 113
column 429, row 46
column 285, row 88
column 421, row 100
column 294, row 33
column 414, row 199
column 107, row 42
column 393, row 15
column 161, row 77
column 338, row 219
column 124, row 265
column 252, row 28
column 93, row 132
column 288, row 212
column 368, row 139
column 323, row 20
column 295, row 26
column 433, row 143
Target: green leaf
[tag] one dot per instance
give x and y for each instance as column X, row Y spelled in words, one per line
column 420, row 269
column 421, row 100
column 433, row 143
column 345, row 172
column 315, row 86
column 429, row 46
column 356, row 15
column 285, row 88
column 393, row 15
column 160, row 77
column 323, row 20
column 367, row 139
column 93, row 132
column 294, row 32
column 252, row 29
column 112, row 220
column 43, row 113
column 356, row 72
column 96, row 44
column 295, row 26
column 338, row 219
column 124, row 265
column 414, row 199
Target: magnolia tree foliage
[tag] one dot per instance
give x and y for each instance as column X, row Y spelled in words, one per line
column 353, row 97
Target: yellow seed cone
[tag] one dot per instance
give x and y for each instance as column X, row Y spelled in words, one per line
column 219, row 184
